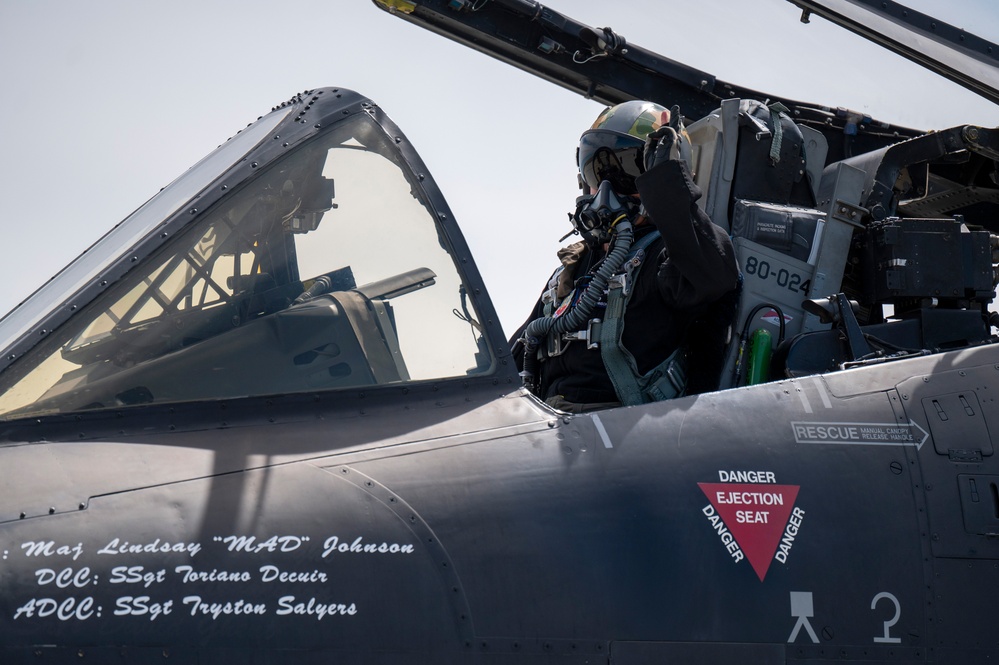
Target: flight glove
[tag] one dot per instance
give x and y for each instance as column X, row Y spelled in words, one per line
column 667, row 142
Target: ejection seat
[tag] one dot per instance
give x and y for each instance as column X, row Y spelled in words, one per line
column 760, row 173
column 763, row 175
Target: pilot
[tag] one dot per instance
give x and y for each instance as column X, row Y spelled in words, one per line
column 639, row 309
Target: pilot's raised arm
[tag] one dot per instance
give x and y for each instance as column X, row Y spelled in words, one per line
column 698, row 263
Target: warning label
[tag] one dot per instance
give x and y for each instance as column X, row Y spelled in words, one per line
column 869, row 434
column 773, row 318
column 756, row 521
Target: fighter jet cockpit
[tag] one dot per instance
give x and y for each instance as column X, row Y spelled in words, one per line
column 325, row 270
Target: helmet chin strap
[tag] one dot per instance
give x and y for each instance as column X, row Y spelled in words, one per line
column 597, row 214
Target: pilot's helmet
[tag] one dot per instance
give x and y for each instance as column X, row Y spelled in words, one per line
column 612, row 149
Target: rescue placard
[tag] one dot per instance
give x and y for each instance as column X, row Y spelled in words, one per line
column 757, row 521
column 865, row 434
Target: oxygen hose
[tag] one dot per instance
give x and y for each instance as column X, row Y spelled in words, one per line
column 539, row 329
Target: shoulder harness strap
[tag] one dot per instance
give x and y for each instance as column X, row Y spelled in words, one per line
column 665, row 381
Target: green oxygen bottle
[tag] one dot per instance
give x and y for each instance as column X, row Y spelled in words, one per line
column 759, row 357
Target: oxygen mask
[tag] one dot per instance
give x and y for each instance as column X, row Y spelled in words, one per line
column 596, row 214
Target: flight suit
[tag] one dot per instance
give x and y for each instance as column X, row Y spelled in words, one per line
column 685, row 292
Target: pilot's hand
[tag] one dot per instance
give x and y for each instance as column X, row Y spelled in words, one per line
column 662, row 145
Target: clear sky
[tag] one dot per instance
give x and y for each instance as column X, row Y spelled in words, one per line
column 107, row 101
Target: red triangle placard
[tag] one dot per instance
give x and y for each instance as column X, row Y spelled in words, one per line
column 756, row 514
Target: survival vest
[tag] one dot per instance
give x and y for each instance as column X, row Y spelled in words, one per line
column 667, row 380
